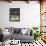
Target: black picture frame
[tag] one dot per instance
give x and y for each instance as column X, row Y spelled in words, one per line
column 14, row 14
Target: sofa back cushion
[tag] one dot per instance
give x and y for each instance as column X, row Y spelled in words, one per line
column 23, row 31
column 11, row 30
column 17, row 30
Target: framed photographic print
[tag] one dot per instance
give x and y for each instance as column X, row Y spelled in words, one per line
column 14, row 14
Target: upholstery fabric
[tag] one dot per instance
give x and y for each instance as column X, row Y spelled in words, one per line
column 17, row 30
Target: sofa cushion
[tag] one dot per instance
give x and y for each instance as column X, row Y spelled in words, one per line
column 17, row 30
column 23, row 31
column 11, row 30
column 22, row 38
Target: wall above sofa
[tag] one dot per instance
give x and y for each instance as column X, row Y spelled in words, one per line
column 29, row 14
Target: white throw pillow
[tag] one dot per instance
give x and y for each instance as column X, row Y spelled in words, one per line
column 5, row 32
column 24, row 30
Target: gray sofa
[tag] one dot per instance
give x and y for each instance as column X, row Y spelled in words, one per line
column 17, row 35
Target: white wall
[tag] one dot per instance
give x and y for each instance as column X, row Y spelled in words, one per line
column 29, row 14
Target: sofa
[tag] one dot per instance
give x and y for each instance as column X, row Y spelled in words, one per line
column 17, row 34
